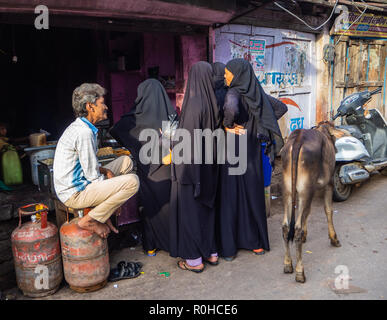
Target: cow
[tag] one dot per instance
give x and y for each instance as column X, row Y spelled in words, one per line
column 308, row 161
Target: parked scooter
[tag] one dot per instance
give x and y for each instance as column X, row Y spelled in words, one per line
column 365, row 151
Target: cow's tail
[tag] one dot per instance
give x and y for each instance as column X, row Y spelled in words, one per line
column 295, row 154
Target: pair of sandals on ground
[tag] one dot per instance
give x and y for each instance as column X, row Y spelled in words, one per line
column 213, row 261
column 130, row 270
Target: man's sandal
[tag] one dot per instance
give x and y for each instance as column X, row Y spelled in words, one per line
column 184, row 266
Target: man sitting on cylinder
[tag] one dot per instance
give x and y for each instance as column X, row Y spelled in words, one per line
column 79, row 180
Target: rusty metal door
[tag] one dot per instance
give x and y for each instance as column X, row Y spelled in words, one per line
column 360, row 64
column 283, row 61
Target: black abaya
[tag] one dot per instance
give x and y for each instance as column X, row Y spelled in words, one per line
column 152, row 106
column 192, row 227
column 241, row 215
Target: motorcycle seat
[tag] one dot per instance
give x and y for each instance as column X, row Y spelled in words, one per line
column 354, row 133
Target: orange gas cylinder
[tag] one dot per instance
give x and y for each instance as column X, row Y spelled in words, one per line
column 36, row 253
column 85, row 258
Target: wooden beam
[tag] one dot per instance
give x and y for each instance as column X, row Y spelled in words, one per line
column 380, row 1
column 279, row 19
column 319, row 2
column 126, row 9
column 377, row 4
column 371, row 5
column 124, row 25
column 362, row 5
column 341, row 84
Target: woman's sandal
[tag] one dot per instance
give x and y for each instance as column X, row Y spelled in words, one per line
column 230, row 258
column 151, row 253
column 125, row 270
column 184, row 266
column 259, row 252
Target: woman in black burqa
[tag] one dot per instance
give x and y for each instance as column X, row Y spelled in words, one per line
column 192, row 228
column 152, row 106
column 220, row 86
column 241, row 217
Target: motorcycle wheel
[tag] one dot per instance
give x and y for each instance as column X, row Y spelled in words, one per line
column 341, row 192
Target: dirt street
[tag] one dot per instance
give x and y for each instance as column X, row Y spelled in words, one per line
column 361, row 225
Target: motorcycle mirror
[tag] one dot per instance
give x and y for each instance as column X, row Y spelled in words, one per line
column 376, row 91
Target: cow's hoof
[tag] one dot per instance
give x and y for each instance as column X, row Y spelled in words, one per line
column 288, row 268
column 300, row 277
column 335, row 243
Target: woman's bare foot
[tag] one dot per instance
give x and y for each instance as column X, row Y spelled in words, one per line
column 88, row 223
column 213, row 259
column 110, row 225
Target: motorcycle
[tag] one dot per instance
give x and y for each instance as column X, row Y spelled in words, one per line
column 365, row 151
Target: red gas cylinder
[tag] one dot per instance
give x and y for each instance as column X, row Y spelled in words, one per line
column 85, row 258
column 36, row 253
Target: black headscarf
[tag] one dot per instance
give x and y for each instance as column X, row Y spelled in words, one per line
column 199, row 111
column 199, row 96
column 252, row 94
column 151, row 107
column 220, row 87
column 218, row 68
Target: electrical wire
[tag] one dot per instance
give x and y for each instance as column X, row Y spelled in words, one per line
column 333, row 10
column 309, row 26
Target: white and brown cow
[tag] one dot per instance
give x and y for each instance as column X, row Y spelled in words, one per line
column 308, row 160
